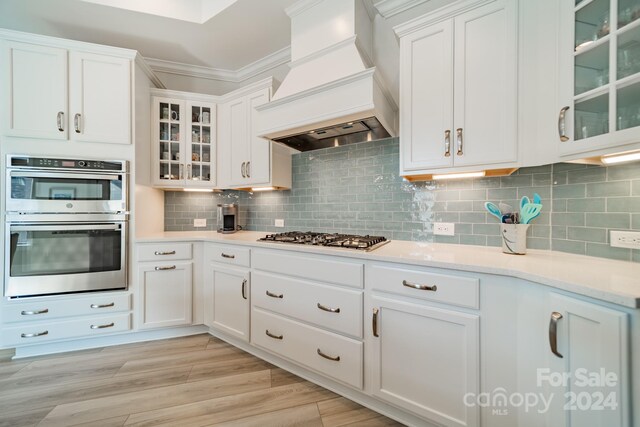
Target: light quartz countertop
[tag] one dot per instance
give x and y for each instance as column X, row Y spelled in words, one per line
column 617, row 282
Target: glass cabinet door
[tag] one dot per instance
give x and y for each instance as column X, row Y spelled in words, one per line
column 201, row 163
column 169, row 141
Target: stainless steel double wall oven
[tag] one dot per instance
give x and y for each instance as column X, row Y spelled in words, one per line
column 66, row 225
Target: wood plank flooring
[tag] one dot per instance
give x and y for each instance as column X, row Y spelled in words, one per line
column 190, row 381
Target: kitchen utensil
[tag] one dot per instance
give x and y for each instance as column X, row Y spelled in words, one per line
column 524, row 201
column 529, row 212
column 505, row 208
column 493, row 210
column 537, row 199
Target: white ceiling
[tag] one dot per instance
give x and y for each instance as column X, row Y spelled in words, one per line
column 241, row 34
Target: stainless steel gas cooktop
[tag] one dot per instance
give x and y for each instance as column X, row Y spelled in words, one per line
column 350, row 241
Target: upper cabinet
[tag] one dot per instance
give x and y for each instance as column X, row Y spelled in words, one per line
column 599, row 83
column 66, row 94
column 458, row 89
column 183, row 139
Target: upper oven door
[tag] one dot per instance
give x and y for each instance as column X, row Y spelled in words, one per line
column 65, row 192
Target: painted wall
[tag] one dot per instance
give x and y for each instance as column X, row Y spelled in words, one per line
column 357, row 189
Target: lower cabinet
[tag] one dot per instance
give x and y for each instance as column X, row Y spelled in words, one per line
column 165, row 294
column 226, row 294
column 424, row 359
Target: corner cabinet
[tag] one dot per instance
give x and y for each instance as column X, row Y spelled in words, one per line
column 599, row 82
column 66, row 94
column 458, row 88
column 184, row 140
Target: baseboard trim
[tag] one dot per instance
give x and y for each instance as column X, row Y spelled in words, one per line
column 7, row 354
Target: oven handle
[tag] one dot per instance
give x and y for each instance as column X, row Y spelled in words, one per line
column 114, row 227
column 108, row 177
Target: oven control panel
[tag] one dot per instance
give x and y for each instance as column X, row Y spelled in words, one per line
column 68, row 164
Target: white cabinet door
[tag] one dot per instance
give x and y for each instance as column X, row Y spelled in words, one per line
column 165, row 294
column 424, row 359
column 592, row 340
column 236, row 138
column 227, row 300
column 34, row 91
column 426, row 88
column 99, row 98
column 485, row 101
column 200, row 144
column 168, row 146
column 259, row 160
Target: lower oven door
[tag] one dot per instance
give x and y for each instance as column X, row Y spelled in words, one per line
column 44, row 259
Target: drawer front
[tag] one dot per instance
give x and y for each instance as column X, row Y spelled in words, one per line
column 444, row 288
column 227, row 254
column 164, row 251
column 39, row 332
column 329, row 307
column 52, row 309
column 321, row 269
column 306, row 346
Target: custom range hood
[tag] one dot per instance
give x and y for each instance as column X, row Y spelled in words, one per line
column 332, row 94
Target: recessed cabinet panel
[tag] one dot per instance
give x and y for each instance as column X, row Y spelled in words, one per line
column 237, row 136
column 259, row 167
column 230, row 301
column 165, row 294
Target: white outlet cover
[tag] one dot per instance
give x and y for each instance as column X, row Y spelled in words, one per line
column 444, row 229
column 279, row 223
column 200, row 222
column 625, row 239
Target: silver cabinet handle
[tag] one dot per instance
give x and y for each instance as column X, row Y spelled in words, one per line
column 275, row 337
column 248, row 169
column 459, row 139
column 244, row 289
column 374, row 322
column 35, row 334
column 419, row 287
column 447, row 143
column 111, row 304
column 189, row 171
column 181, row 170
column 164, row 253
column 108, row 325
column 171, row 267
column 32, row 312
column 272, row 295
column 242, row 169
column 335, row 359
column 61, row 121
column 223, row 255
column 553, row 333
column 562, row 124
column 330, row 310
column 76, row 122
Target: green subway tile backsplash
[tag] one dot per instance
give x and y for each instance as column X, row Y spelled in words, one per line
column 357, row 189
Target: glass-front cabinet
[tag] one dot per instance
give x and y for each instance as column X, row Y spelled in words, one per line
column 599, row 76
column 184, row 138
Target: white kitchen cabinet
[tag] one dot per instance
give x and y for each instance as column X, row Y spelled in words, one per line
column 599, row 82
column 184, row 140
column 227, row 304
column 66, row 94
column 458, row 89
column 165, row 294
column 586, row 339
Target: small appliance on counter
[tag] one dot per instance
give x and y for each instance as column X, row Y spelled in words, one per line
column 228, row 218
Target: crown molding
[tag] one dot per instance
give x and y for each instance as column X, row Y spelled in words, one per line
column 300, row 6
column 389, row 8
column 140, row 62
column 260, row 66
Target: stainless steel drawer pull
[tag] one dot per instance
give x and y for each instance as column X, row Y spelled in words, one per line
column 111, row 304
column 223, row 255
column 171, row 267
column 562, row 124
column 275, row 337
column 329, row 309
column 335, row 359
column 108, row 325
column 419, row 287
column 61, row 121
column 35, row 334
column 244, row 289
column 447, row 143
column 76, row 122
column 248, row 169
column 32, row 312
column 272, row 295
column 459, row 138
column 553, row 333
column 242, row 170
column 165, row 253
column 374, row 322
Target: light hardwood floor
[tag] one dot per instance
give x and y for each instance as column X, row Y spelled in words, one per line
column 191, row 381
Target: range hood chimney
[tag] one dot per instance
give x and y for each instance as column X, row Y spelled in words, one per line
column 332, row 95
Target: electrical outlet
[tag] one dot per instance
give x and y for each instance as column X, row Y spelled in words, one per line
column 444, row 229
column 200, row 222
column 279, row 222
column 625, row 239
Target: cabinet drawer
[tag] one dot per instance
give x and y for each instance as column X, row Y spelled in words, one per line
column 306, row 346
column 326, row 306
column 164, row 251
column 444, row 288
column 234, row 255
column 318, row 268
column 38, row 332
column 51, row 309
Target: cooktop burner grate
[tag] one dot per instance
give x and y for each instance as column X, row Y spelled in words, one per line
column 350, row 241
